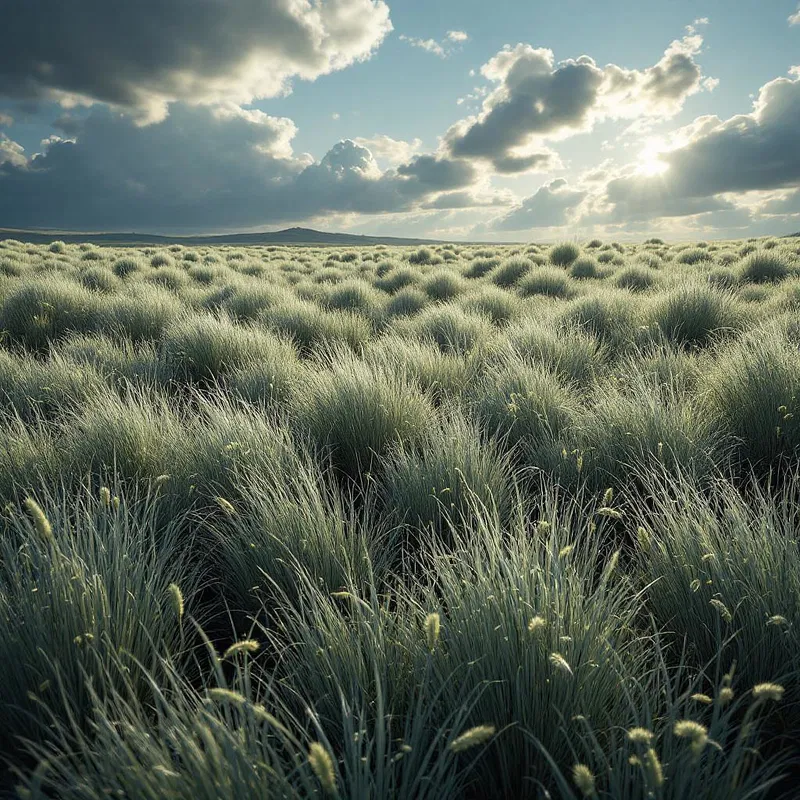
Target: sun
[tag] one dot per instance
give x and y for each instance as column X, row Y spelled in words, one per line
column 650, row 161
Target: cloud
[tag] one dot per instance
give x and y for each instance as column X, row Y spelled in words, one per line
column 549, row 207
column 204, row 168
column 463, row 199
column 430, row 45
column 443, row 49
column 393, row 151
column 439, row 174
column 11, row 154
column 711, row 157
column 794, row 19
column 535, row 100
column 142, row 56
column 6, row 120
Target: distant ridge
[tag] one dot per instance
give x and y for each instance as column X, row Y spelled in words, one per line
column 298, row 236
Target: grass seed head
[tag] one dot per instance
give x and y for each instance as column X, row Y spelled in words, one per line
column 322, row 763
column 473, row 737
column 537, row 623
column 176, row 598
column 227, row 696
column 432, row 630
column 723, row 610
column 560, row 663
column 43, row 527
column 245, row 646
column 768, row 691
column 584, row 780
column 640, row 736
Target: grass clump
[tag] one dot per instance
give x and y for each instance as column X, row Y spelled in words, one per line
column 356, row 412
column 564, row 254
column 766, row 266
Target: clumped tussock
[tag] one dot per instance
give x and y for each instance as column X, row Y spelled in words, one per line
column 379, row 522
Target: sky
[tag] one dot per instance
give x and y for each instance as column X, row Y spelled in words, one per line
column 511, row 120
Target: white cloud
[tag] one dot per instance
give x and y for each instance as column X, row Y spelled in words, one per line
column 536, row 99
column 698, row 174
column 6, row 120
column 794, row 19
column 443, row 49
column 392, row 151
column 431, row 45
column 549, row 207
column 143, row 56
column 10, row 153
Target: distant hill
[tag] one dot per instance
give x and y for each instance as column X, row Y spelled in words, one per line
column 298, row 236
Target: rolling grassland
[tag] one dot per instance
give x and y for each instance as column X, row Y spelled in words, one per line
column 458, row 521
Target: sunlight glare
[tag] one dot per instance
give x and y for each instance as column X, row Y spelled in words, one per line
column 650, row 161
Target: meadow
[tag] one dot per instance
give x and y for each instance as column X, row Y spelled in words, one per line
column 447, row 522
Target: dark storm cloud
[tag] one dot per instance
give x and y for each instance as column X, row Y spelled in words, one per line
column 547, row 208
column 536, row 99
column 202, row 168
column 748, row 152
column 145, row 54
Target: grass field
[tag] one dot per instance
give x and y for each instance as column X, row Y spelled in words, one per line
column 460, row 521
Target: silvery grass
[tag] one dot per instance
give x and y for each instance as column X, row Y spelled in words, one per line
column 236, row 736
column 291, row 517
column 527, row 632
column 753, row 389
column 84, row 575
column 722, row 569
column 356, row 411
column 691, row 735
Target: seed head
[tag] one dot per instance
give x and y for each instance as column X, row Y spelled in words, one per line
column 433, row 628
column 561, row 663
column 322, row 764
column 226, row 506
column 702, row 698
column 40, row 521
column 640, row 735
column 605, row 511
column 768, row 691
column 537, row 623
column 654, row 769
column 105, row 496
column 689, row 729
column 726, row 694
column 227, row 696
column 724, row 611
column 584, row 780
column 643, row 537
column 777, row 619
column 176, row 598
column 473, row 737
column 245, row 646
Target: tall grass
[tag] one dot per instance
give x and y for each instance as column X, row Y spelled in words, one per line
column 423, row 523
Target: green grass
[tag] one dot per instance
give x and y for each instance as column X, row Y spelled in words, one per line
column 522, row 498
